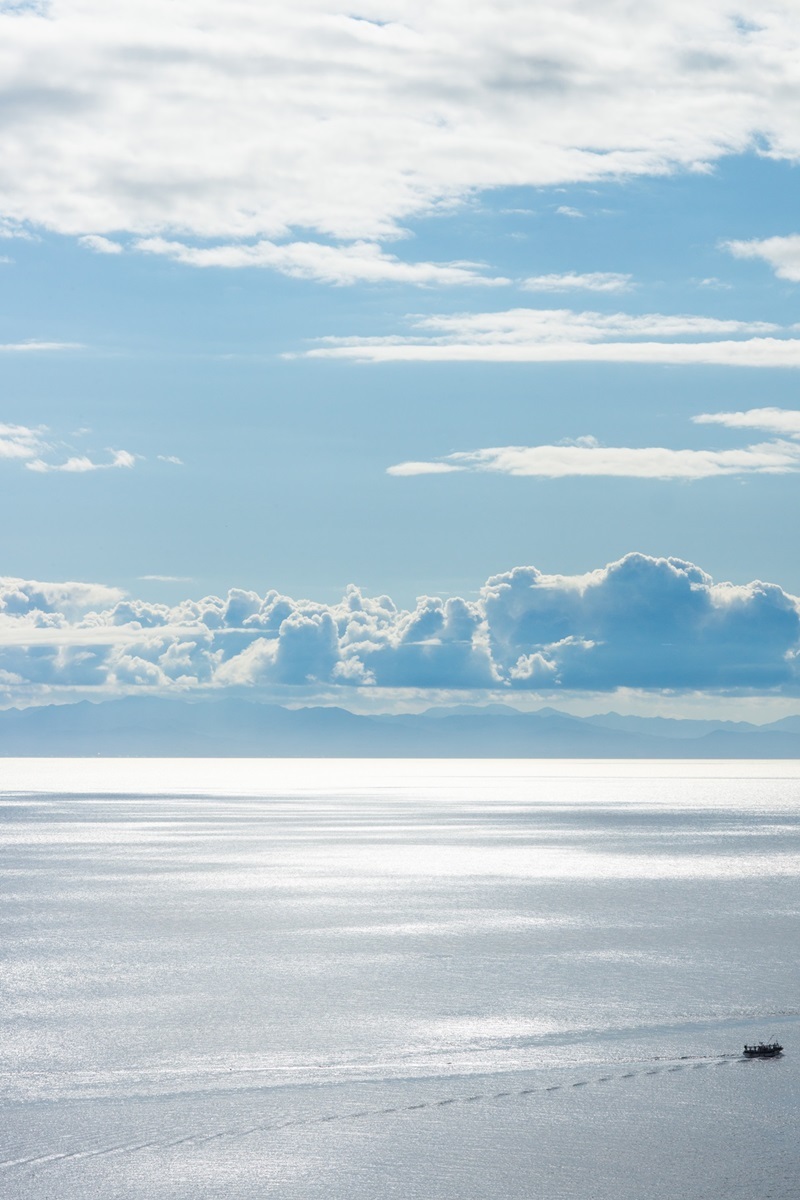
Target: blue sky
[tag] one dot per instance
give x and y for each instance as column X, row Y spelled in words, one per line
column 296, row 297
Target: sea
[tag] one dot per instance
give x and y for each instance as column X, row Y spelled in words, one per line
column 421, row 979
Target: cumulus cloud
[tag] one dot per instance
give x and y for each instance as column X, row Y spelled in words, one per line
column 567, row 335
column 572, row 281
column 782, row 254
column 360, row 262
column 641, row 622
column 26, row 597
column 348, row 125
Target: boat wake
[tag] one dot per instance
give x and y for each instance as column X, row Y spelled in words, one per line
column 193, row 1139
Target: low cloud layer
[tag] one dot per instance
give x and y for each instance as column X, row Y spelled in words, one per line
column 648, row 623
column 585, row 456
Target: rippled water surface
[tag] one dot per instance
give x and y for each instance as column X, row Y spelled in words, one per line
column 440, row 980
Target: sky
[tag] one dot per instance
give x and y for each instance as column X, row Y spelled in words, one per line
column 394, row 354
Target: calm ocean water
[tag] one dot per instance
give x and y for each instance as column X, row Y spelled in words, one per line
column 444, row 980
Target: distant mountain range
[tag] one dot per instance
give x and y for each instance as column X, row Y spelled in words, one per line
column 154, row 727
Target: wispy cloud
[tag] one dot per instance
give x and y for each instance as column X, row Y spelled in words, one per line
column 440, row 467
column 587, row 457
column 358, row 262
column 566, row 210
column 566, row 335
column 81, row 464
column 166, row 578
column 624, row 462
column 100, row 245
column 19, row 441
column 593, row 281
column 773, row 420
column 44, row 452
column 34, row 347
column 782, row 254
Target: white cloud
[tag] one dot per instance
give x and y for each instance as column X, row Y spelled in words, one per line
column 593, row 281
column 756, row 352
column 520, row 326
column 714, row 284
column 100, row 245
column 585, row 456
column 170, row 458
column 423, row 468
column 18, row 441
column 34, row 347
column 35, row 449
column 651, row 462
column 360, row 262
column 566, row 210
column 25, row 596
column 641, row 622
column 80, row 464
column 566, row 335
column 248, row 120
column 774, row 420
column 782, row 254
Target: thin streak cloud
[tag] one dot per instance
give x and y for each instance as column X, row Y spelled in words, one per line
column 586, row 457
column 360, row 262
column 623, row 462
column 773, row 420
column 34, row 347
column 568, row 335
column 81, row 464
column 572, row 281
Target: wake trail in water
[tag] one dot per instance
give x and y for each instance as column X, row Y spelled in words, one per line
column 194, row 1139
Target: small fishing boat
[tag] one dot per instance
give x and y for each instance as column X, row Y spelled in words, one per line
column 763, row 1050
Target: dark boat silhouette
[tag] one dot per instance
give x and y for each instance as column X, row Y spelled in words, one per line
column 763, row 1050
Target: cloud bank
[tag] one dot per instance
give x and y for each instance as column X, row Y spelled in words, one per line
column 349, row 123
column 642, row 622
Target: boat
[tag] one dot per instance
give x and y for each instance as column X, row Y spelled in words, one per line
column 763, row 1050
